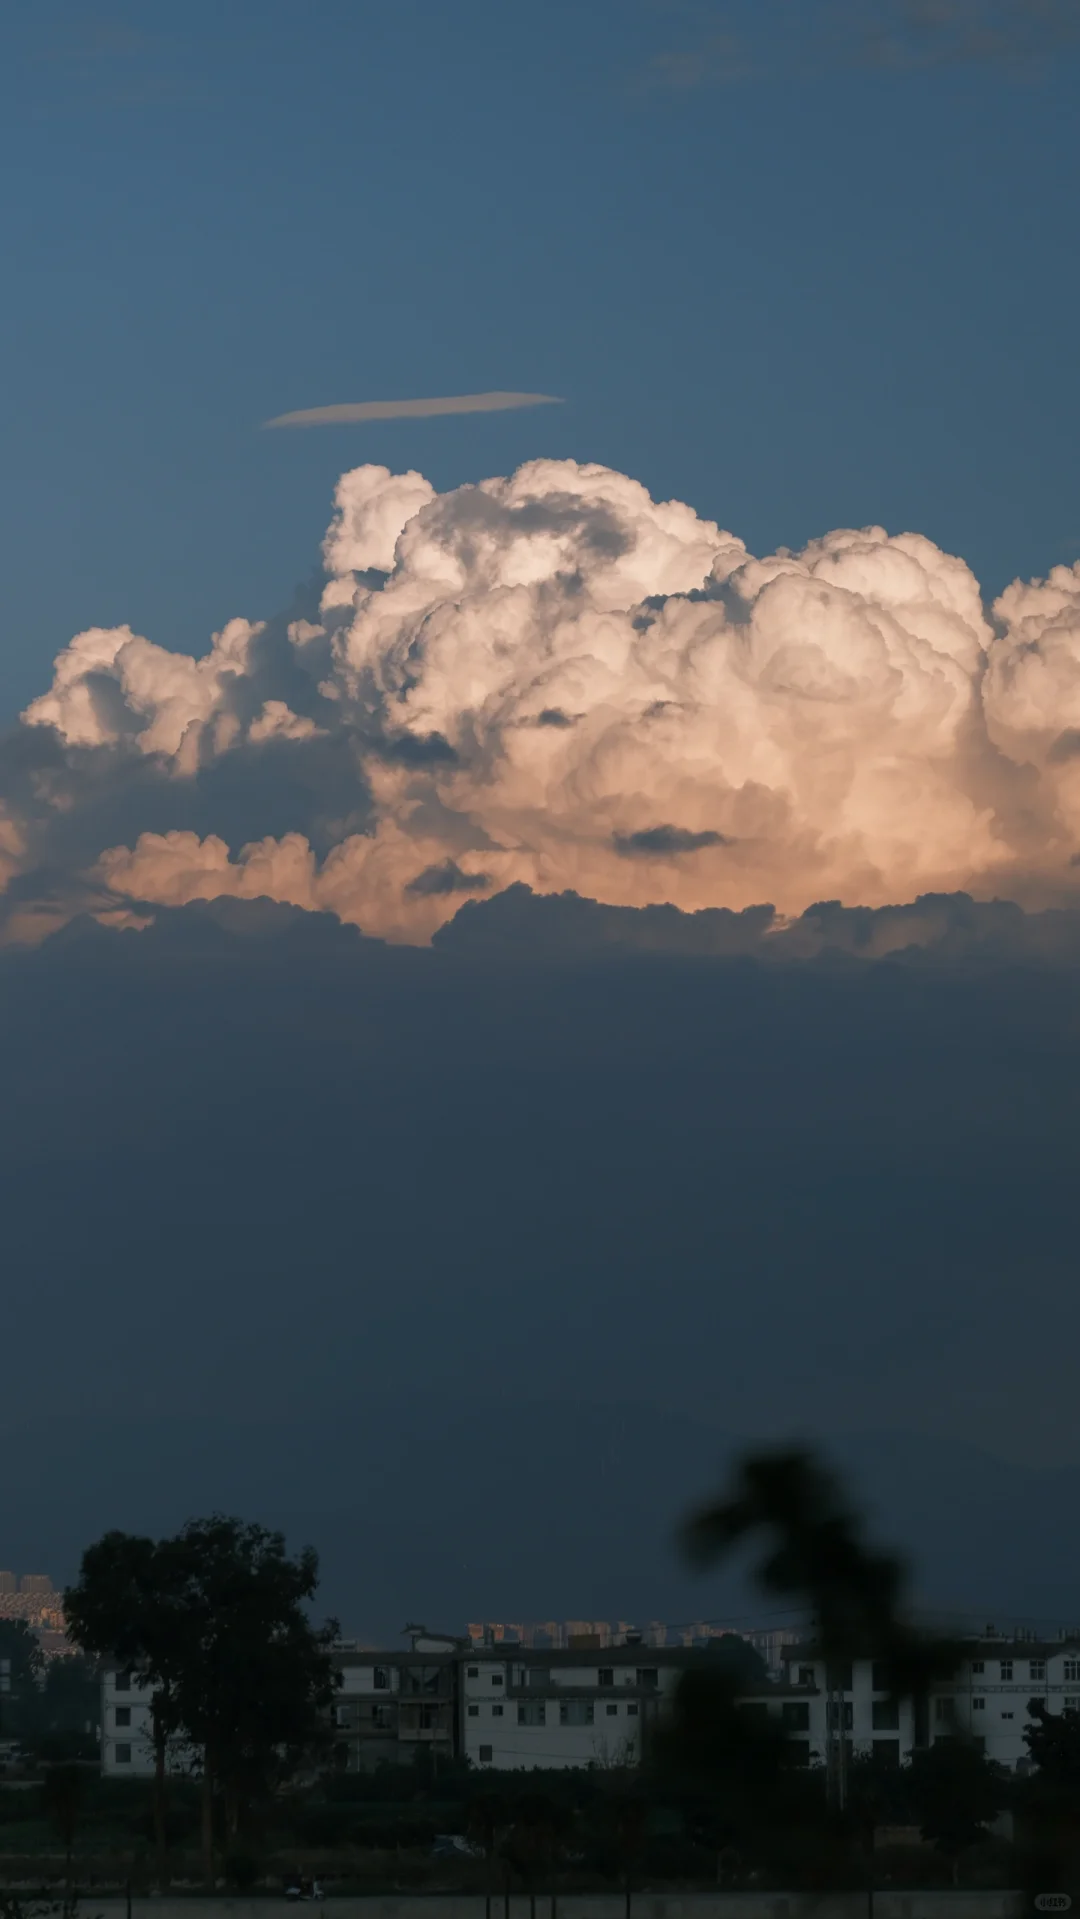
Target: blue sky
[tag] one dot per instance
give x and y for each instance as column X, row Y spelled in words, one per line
column 791, row 281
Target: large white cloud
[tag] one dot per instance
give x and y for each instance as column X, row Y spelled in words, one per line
column 553, row 678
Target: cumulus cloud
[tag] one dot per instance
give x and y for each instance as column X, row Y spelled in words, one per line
column 552, row 679
column 352, row 414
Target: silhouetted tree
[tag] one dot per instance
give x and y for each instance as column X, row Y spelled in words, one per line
column 215, row 1622
column 252, row 1692
column 128, row 1605
column 64, row 1791
column 20, row 1649
column 1049, row 1799
column 955, row 1792
column 815, row 1555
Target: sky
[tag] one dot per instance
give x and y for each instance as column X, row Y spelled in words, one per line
column 419, row 1013
column 770, row 272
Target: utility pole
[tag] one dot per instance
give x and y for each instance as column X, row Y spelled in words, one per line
column 835, row 1740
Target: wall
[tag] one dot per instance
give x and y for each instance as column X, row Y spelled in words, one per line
column 728, row 1905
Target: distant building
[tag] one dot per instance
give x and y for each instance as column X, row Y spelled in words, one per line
column 503, row 1705
column 987, row 1700
column 582, row 1707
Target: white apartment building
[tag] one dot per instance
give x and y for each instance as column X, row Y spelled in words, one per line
column 504, row 1706
column 558, row 1707
column 987, row 1700
column 127, row 1739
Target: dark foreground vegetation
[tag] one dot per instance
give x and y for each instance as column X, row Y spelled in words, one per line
column 403, row 1828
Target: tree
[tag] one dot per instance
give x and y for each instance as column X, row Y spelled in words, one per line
column 955, row 1792
column 816, row 1554
column 1053, row 1740
column 128, row 1605
column 61, row 1725
column 1050, row 1798
column 19, row 1644
column 63, row 1797
column 214, row 1620
column 256, row 1676
column 737, row 1755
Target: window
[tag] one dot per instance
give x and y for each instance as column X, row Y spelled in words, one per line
column 123, row 1715
column 1072, row 1671
column 885, row 1715
column 485, row 1755
column 540, row 1677
column 631, row 1711
column 887, row 1752
column 1007, row 1715
column 1006, row 1669
column 795, row 1715
column 472, row 1672
column 840, row 1713
column 123, row 1754
column 611, row 1711
column 978, row 1666
column 1038, row 1701
column 576, row 1712
column 532, row 1714
column 978, row 1705
column 474, row 1712
column 342, row 1716
column 647, row 1676
column 381, row 1679
column 380, row 1716
column 806, row 1676
column 945, row 1711
column 1038, row 1669
column 606, row 1676
column 496, row 1712
column 1072, row 1703
column 838, row 1677
column 496, row 1678
column 122, row 1682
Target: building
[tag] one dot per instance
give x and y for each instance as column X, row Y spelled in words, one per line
column 127, row 1740
column 987, row 1700
column 503, row 1705
column 390, row 1706
column 500, row 1706
column 577, row 1706
column 393, row 1705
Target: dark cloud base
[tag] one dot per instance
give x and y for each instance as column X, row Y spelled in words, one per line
column 361, row 1207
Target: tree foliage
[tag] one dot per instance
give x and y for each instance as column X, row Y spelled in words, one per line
column 815, row 1555
column 214, row 1620
column 1053, row 1741
column 955, row 1792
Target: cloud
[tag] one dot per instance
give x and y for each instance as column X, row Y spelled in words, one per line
column 904, row 36
column 909, row 35
column 666, row 840
column 348, row 414
column 551, row 679
column 447, row 877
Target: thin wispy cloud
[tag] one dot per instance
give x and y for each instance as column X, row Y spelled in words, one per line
column 721, row 44
column 352, row 414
